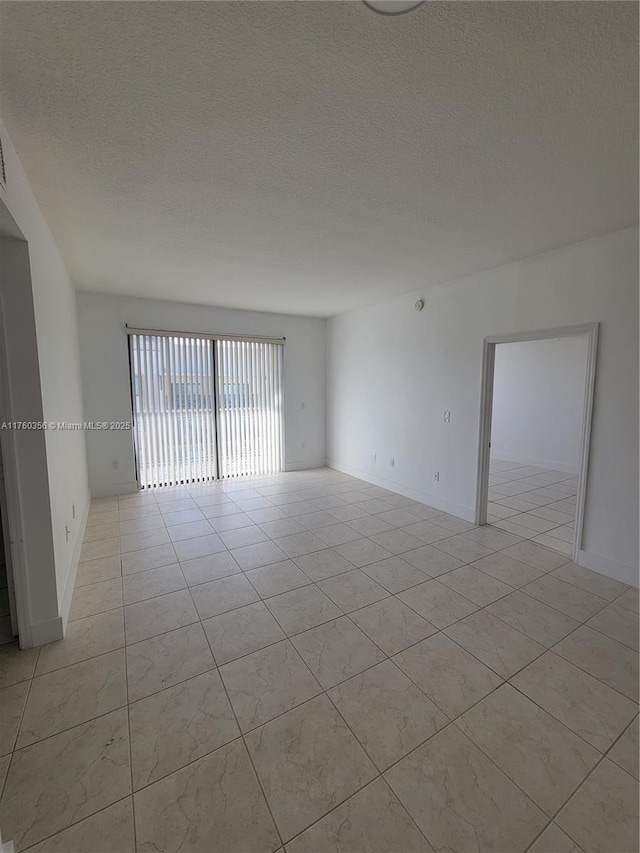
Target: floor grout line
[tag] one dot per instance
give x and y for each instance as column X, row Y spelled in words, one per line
column 246, row 748
column 126, row 681
column 347, row 614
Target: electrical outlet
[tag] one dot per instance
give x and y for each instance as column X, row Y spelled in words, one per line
column 447, row 417
column 304, row 445
column 436, row 476
column 374, row 456
column 392, row 462
column 115, row 464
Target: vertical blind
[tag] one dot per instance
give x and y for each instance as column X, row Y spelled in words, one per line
column 173, row 408
column 250, row 407
column 205, row 408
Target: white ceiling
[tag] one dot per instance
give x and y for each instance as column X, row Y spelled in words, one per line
column 312, row 157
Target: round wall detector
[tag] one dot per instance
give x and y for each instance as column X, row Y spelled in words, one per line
column 392, row 7
column 419, row 304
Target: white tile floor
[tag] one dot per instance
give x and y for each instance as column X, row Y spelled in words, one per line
column 310, row 663
column 534, row 503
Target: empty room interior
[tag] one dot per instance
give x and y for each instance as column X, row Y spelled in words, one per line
column 319, row 427
column 536, row 428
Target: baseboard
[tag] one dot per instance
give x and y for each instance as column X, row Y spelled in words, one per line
column 47, row 632
column 538, row 463
column 67, row 595
column 132, row 487
column 304, row 466
column 116, row 489
column 6, row 846
column 465, row 512
column 610, row 568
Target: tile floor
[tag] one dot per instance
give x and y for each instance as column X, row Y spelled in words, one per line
column 538, row 504
column 310, row 663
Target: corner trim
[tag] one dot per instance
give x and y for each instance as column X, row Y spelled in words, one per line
column 47, row 632
column 610, row 568
column 67, row 595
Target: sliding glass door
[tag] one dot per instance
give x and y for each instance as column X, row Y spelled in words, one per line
column 205, row 407
column 173, row 390
column 249, row 379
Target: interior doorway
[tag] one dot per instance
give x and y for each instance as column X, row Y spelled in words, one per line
column 535, row 424
column 20, row 450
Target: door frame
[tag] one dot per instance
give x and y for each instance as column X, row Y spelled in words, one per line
column 6, row 549
column 486, row 410
column 12, row 520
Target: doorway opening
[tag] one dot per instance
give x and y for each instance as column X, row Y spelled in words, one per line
column 535, row 426
column 22, row 462
column 205, row 407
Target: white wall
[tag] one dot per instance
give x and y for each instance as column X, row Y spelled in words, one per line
column 538, row 401
column 105, row 375
column 48, row 384
column 392, row 372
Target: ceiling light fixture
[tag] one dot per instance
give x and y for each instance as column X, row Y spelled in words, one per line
column 392, row 7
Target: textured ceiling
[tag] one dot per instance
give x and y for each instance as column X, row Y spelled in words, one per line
column 311, row 157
